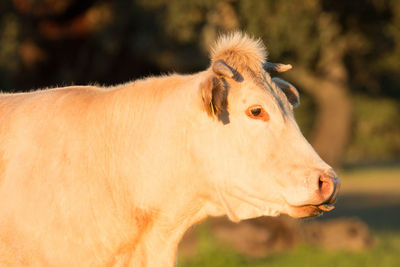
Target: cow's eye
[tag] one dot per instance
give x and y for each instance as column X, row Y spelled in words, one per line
column 257, row 112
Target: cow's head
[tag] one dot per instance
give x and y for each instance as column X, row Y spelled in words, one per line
column 254, row 158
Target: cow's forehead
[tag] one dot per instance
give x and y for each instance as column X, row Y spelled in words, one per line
column 247, row 56
column 263, row 80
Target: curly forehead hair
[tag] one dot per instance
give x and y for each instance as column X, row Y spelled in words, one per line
column 240, row 51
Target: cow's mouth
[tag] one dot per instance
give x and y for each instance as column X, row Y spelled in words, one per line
column 326, row 207
column 310, row 210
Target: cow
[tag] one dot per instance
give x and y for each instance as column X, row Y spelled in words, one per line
column 93, row 176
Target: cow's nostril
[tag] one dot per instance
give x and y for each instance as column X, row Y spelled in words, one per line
column 320, row 183
column 326, row 187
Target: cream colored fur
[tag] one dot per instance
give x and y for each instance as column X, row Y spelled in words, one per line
column 95, row 176
column 240, row 51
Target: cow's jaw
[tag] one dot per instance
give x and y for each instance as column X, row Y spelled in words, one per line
column 240, row 205
column 244, row 207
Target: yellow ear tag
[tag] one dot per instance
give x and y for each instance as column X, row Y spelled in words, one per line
column 211, row 105
column 212, row 109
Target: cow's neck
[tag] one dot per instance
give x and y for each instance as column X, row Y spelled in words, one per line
column 164, row 186
column 159, row 243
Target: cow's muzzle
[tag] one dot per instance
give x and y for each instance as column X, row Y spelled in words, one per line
column 328, row 186
column 323, row 200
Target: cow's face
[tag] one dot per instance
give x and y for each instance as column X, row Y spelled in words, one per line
column 255, row 158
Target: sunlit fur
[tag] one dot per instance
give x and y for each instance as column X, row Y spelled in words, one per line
column 240, row 51
column 94, row 176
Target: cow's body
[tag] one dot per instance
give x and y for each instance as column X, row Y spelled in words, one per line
column 94, row 177
column 64, row 175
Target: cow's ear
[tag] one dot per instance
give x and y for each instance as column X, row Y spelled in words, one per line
column 214, row 95
column 290, row 91
column 220, row 68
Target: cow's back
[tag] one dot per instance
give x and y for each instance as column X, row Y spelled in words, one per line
column 7, row 103
column 23, row 114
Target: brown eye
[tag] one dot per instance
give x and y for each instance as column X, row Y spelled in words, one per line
column 258, row 113
column 255, row 111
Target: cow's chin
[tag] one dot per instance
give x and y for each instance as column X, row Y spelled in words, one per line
column 241, row 211
column 246, row 211
column 242, row 208
column 307, row 211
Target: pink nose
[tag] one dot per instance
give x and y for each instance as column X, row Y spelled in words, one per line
column 329, row 186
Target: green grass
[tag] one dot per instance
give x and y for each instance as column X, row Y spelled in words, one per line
column 360, row 186
column 386, row 252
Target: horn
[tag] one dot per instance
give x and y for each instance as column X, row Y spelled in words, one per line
column 276, row 67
